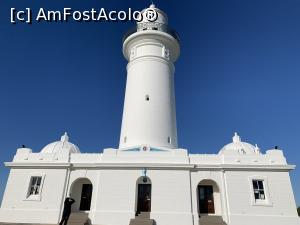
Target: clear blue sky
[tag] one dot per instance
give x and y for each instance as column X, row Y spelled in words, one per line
column 239, row 71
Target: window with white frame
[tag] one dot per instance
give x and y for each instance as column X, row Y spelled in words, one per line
column 259, row 190
column 34, row 186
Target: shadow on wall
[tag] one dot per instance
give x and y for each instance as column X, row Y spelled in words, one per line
column 298, row 210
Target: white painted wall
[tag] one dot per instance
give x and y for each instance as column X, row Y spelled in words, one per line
column 174, row 176
column 17, row 208
column 280, row 205
column 116, row 196
column 171, row 199
column 116, row 203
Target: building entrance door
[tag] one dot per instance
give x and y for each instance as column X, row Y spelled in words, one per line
column 86, row 197
column 206, row 199
column 144, row 198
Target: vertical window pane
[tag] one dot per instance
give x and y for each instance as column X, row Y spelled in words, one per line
column 35, row 183
column 31, row 191
column 38, row 182
column 260, row 184
column 262, row 195
column 258, row 189
column 255, row 186
column 33, row 180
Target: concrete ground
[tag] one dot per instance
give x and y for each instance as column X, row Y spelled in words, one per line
column 25, row 224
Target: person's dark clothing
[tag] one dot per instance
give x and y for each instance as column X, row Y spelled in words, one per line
column 64, row 219
column 67, row 210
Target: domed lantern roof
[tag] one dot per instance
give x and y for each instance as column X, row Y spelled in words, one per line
column 238, row 147
column 61, row 146
column 153, row 19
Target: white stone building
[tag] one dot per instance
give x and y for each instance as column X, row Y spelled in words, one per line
column 149, row 172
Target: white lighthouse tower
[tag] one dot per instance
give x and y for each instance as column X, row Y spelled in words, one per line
column 149, row 116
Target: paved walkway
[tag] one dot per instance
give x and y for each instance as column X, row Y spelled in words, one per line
column 25, row 224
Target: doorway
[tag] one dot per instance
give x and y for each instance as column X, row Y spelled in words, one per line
column 206, row 199
column 144, row 198
column 86, row 197
column 81, row 191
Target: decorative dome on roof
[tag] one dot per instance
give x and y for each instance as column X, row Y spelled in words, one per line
column 61, row 146
column 239, row 147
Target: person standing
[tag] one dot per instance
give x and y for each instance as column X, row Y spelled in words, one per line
column 147, row 203
column 67, row 210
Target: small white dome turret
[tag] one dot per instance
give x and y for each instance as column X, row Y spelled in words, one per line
column 61, row 146
column 239, row 147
